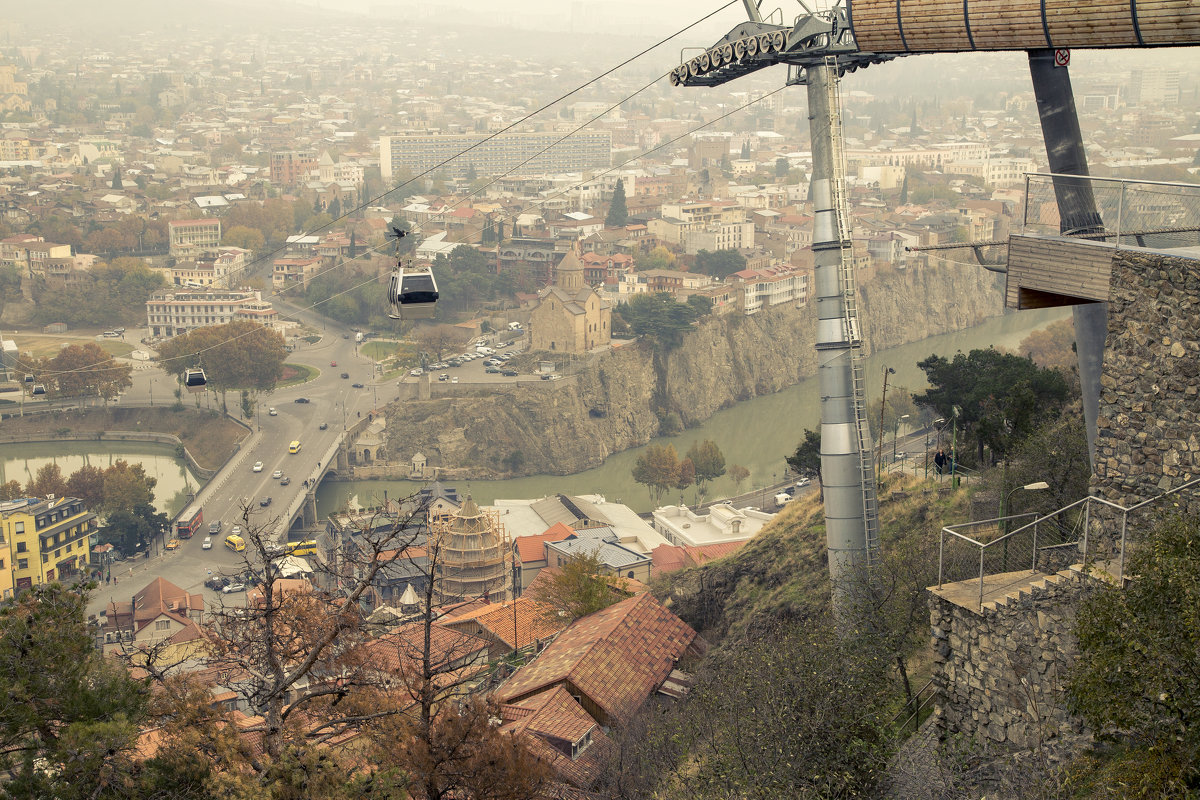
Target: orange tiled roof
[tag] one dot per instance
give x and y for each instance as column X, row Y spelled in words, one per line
column 549, row 724
column 533, row 620
column 529, row 548
column 617, row 657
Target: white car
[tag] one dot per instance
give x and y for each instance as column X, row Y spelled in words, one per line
column 234, row 587
column 257, row 466
column 277, row 474
column 272, row 412
column 416, row 372
column 207, row 543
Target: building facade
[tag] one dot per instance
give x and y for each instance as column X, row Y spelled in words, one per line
column 48, row 539
column 570, row 316
column 190, row 238
column 173, row 313
column 529, row 152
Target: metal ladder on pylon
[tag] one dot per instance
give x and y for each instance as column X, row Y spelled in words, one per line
column 850, row 313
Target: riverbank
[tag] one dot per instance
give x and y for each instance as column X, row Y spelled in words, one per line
column 210, row 439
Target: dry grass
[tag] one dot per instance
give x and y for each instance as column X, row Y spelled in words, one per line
column 48, row 346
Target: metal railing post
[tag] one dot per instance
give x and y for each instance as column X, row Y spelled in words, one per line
column 1121, row 561
column 1024, row 212
column 1087, row 508
column 1120, row 211
column 941, row 550
column 1035, row 526
column 981, row 551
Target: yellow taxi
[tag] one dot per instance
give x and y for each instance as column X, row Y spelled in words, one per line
column 173, row 544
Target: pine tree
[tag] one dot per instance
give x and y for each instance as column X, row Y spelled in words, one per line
column 353, row 247
column 618, row 212
column 745, row 150
column 904, row 191
column 116, row 184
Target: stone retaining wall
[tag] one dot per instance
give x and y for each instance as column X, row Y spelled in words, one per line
column 1148, row 438
column 1001, row 674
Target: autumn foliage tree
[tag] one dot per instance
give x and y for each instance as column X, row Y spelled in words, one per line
column 657, row 468
column 82, row 370
column 578, row 587
column 708, row 462
column 237, row 355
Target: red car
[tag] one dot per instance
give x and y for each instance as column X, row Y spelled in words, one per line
column 333, row 363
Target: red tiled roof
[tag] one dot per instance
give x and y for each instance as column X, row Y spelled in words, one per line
column 668, row 558
column 529, row 548
column 530, row 619
column 550, row 723
column 616, row 657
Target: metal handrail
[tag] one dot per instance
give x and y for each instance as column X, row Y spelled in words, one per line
column 1083, row 523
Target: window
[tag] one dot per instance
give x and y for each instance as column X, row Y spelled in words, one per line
column 21, row 548
column 22, row 563
column 19, row 527
column 162, row 625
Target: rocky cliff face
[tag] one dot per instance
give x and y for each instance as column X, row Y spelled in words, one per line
column 621, row 398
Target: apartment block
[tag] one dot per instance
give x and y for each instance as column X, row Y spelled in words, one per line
column 172, row 313
column 291, row 167
column 530, row 153
column 48, row 539
column 189, row 238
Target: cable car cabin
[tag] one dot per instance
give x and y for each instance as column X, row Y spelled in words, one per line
column 194, row 380
column 29, row 379
column 413, row 294
column 37, row 389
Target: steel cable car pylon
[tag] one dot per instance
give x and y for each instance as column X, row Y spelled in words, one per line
column 412, row 292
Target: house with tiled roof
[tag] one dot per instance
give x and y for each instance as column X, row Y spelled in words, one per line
column 611, row 661
column 508, row 626
column 530, row 553
column 555, row 727
column 668, row 558
column 160, row 617
column 455, row 655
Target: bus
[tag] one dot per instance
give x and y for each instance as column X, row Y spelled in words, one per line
column 184, row 528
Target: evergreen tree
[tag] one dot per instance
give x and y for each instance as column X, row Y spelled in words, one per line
column 335, row 208
column 745, row 150
column 116, row 182
column 353, row 247
column 904, row 190
column 618, row 213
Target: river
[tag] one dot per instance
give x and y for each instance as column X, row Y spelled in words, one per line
column 175, row 481
column 757, row 433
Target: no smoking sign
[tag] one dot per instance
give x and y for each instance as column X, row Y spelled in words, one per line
column 1062, row 57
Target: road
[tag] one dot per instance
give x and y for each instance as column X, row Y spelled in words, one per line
column 332, row 400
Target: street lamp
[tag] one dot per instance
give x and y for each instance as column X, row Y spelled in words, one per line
column 896, row 434
column 1036, row 486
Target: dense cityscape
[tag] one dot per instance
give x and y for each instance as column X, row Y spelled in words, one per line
column 274, row 523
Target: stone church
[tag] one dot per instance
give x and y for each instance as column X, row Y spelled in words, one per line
column 570, row 316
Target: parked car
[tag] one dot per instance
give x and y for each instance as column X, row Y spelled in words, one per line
column 495, row 370
column 356, row 386
column 277, row 474
column 216, row 582
column 323, row 426
column 443, row 377
column 234, row 587
column 508, row 373
column 207, row 545
column 257, row 466
column 454, row 379
column 285, row 480
column 266, row 501
column 301, row 399
column 345, row 336
column 417, row 372
column 272, row 412
column 803, row 482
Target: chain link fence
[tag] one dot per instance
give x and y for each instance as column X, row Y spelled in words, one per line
column 1145, row 214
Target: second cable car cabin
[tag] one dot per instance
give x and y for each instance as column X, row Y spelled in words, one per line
column 413, row 293
column 194, row 380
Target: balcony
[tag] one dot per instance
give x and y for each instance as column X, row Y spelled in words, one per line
column 1055, row 264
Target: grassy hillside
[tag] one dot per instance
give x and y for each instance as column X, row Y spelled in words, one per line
column 782, row 574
